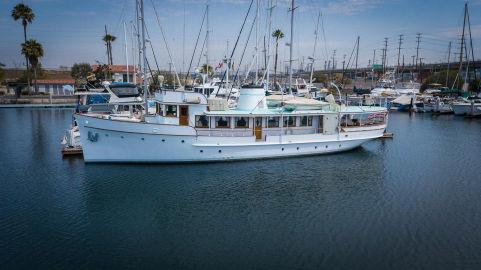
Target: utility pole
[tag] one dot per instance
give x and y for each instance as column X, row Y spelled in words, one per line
column 384, row 56
column 399, row 51
column 418, row 41
column 412, row 67
column 333, row 60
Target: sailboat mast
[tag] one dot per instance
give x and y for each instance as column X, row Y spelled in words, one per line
column 315, row 46
column 207, row 40
column 257, row 42
column 290, row 46
column 449, row 63
column 137, row 17
column 144, row 58
column 271, row 8
column 126, row 51
column 462, row 40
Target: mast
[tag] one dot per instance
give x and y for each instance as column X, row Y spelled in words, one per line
column 126, row 51
column 290, row 46
column 257, row 43
column 449, row 63
column 207, row 40
column 357, row 56
column 144, row 58
column 271, row 8
column 315, row 46
column 462, row 41
column 139, row 46
column 135, row 71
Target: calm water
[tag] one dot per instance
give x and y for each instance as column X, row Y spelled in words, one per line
column 412, row 202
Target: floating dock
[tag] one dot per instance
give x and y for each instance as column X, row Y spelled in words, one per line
column 72, row 151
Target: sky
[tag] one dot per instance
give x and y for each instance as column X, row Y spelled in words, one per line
column 71, row 31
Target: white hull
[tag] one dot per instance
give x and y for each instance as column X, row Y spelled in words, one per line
column 466, row 108
column 117, row 141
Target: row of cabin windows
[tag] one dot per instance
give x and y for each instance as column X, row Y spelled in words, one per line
column 202, row 121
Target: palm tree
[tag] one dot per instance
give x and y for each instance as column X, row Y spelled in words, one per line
column 108, row 42
column 207, row 69
column 33, row 51
column 25, row 13
column 278, row 35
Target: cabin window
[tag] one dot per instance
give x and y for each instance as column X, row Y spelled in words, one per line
column 272, row 121
column 171, row 111
column 241, row 122
column 158, row 108
column 289, row 121
column 306, row 121
column 201, row 121
column 222, row 122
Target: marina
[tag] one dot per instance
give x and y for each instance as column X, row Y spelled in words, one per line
column 253, row 134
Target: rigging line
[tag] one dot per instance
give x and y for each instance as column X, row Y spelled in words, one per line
column 237, row 41
column 165, row 42
column 242, row 57
column 201, row 52
column 152, row 47
column 155, row 58
column 248, row 38
column 195, row 47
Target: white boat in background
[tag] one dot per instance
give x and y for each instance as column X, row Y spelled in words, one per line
column 189, row 127
column 467, row 107
column 410, row 88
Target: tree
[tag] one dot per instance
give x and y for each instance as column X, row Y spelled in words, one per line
column 25, row 13
column 207, row 69
column 277, row 35
column 80, row 71
column 33, row 51
column 108, row 43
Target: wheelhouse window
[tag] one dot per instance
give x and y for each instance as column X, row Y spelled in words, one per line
column 273, row 121
column 171, row 111
column 201, row 121
column 306, row 121
column 241, row 122
column 289, row 121
column 222, row 122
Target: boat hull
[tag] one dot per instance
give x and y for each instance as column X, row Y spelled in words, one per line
column 113, row 141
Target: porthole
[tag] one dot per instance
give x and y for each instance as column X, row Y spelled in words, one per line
column 297, row 148
column 121, row 137
column 106, row 135
column 143, row 139
column 202, row 151
column 326, row 146
column 220, row 151
column 315, row 147
column 340, row 146
column 163, row 140
column 282, row 149
column 345, row 136
column 183, row 141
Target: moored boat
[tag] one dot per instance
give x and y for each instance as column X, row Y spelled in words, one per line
column 189, row 127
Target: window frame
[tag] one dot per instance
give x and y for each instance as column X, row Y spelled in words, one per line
column 269, row 118
column 176, row 111
column 227, row 119
column 197, row 119
column 238, row 118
